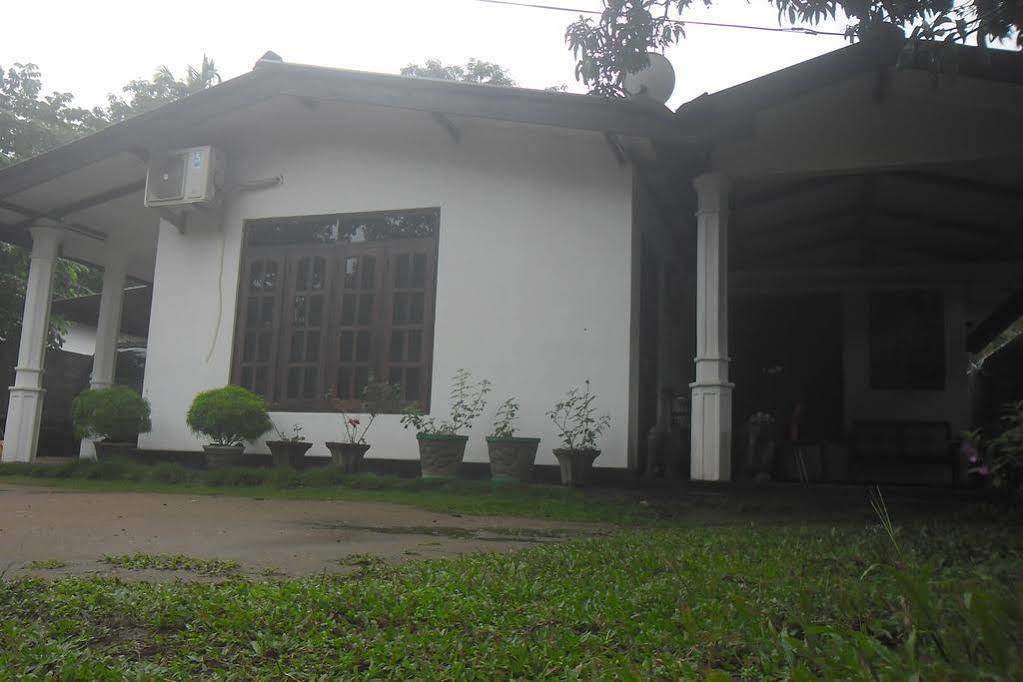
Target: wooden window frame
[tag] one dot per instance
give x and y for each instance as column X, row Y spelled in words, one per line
column 329, row 363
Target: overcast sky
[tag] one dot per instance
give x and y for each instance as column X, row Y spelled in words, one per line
column 91, row 49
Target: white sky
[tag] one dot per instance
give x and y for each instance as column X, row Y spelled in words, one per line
column 91, row 49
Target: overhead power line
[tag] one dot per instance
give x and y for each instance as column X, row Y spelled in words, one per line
column 681, row 22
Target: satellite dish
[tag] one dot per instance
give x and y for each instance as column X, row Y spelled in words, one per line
column 656, row 80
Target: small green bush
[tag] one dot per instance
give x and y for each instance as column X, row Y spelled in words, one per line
column 170, row 473
column 228, row 416
column 323, row 477
column 117, row 414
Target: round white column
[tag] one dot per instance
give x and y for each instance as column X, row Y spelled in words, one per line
column 24, row 412
column 711, row 435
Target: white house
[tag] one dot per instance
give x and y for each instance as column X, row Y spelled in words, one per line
column 374, row 225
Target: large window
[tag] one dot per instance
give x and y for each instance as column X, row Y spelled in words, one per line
column 328, row 304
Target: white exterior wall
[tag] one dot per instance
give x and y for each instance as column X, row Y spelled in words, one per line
column 533, row 286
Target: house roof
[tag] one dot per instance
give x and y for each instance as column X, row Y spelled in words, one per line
column 273, row 78
column 710, row 115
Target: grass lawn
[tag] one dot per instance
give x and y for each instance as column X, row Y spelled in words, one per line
column 658, row 598
column 741, row 602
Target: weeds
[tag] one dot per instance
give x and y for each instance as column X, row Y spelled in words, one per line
column 141, row 561
column 46, row 564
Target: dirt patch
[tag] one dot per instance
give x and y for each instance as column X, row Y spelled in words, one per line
column 51, row 533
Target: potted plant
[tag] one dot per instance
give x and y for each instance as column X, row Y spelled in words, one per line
column 511, row 457
column 376, row 397
column 228, row 417
column 441, row 445
column 288, row 450
column 576, row 421
column 115, row 415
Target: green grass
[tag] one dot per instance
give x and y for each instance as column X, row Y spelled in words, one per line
column 46, row 564
column 329, row 483
column 738, row 602
column 141, row 561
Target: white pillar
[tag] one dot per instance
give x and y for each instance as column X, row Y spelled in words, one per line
column 712, row 393
column 108, row 328
column 24, row 412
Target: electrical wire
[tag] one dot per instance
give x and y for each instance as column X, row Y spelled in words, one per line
column 681, row 22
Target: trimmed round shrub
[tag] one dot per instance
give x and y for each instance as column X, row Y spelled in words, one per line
column 117, row 414
column 228, row 416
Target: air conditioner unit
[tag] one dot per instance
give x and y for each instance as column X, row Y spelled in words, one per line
column 182, row 177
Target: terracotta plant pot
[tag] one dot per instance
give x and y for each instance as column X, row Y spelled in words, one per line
column 511, row 459
column 576, row 465
column 348, row 456
column 288, row 452
column 108, row 450
column 440, row 456
column 223, row 455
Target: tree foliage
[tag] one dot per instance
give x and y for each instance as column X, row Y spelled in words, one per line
column 616, row 43
column 474, row 71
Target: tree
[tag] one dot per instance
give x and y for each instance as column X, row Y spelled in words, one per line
column 474, row 71
column 164, row 87
column 31, row 123
column 617, row 43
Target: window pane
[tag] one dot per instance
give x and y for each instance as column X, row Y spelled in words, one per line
column 361, row 379
column 394, row 377
column 265, row 340
column 347, row 346
column 302, row 277
column 297, row 344
column 319, row 273
column 247, row 378
column 348, row 310
column 400, row 308
column 249, row 347
column 351, row 272
column 344, row 383
column 270, row 278
column 312, row 351
column 412, row 391
column 368, row 267
column 397, row 342
column 417, row 308
column 365, row 308
column 315, row 311
column 401, row 271
column 266, row 317
column 362, row 346
column 415, row 345
column 260, row 385
column 294, row 377
column 419, row 270
column 309, row 383
column 301, row 312
column 256, row 276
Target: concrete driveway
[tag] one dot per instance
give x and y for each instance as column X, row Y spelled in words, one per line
column 58, row 532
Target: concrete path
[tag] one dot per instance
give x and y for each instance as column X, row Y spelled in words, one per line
column 42, row 527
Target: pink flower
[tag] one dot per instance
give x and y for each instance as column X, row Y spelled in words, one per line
column 354, row 422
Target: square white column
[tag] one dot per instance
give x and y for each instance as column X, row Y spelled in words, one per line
column 24, row 412
column 711, row 435
column 108, row 328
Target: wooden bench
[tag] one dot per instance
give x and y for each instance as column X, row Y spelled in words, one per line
column 883, row 442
